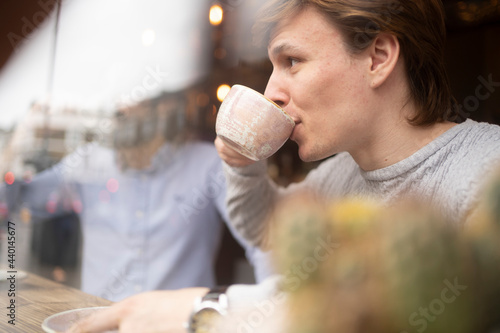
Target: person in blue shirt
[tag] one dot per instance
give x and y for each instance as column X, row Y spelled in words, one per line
column 151, row 208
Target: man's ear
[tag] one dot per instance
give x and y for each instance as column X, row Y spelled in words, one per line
column 384, row 55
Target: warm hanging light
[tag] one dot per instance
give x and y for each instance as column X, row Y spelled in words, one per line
column 216, row 15
column 222, row 91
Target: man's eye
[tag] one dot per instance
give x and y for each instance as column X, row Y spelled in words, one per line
column 292, row 61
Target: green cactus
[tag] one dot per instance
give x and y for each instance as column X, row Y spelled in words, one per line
column 422, row 262
column 301, row 229
column 482, row 235
column 398, row 269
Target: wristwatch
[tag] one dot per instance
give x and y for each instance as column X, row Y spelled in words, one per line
column 207, row 310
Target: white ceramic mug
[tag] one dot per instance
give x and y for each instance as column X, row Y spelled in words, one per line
column 252, row 124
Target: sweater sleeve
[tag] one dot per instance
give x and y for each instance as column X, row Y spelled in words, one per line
column 252, row 195
column 249, row 198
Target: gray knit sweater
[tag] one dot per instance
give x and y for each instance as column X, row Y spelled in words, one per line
column 449, row 172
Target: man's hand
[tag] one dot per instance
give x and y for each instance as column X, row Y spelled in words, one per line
column 156, row 311
column 231, row 156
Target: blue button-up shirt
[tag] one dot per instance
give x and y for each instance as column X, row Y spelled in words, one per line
column 157, row 228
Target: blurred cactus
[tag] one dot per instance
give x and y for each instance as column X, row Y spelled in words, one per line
column 427, row 272
column 299, row 226
column 401, row 269
column 482, row 234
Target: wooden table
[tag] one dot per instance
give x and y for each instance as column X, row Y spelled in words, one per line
column 36, row 298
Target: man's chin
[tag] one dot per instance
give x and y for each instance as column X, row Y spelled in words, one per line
column 306, row 156
column 312, row 156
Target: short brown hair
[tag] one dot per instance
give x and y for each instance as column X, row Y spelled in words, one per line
column 419, row 26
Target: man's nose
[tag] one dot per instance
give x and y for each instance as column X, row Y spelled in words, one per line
column 276, row 92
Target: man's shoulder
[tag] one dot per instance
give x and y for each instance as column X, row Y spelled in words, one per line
column 480, row 134
column 472, row 145
column 479, row 145
column 467, row 165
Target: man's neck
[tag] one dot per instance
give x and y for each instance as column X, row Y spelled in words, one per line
column 390, row 138
column 397, row 142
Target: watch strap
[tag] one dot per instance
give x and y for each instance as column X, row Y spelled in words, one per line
column 214, row 299
column 214, row 293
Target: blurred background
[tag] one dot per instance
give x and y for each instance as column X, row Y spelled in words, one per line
column 67, row 66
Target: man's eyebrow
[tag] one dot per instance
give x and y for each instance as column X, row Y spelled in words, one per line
column 283, row 47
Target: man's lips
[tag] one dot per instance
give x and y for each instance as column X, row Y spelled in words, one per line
column 296, row 120
column 294, row 134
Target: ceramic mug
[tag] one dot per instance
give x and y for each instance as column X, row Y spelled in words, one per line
column 252, row 124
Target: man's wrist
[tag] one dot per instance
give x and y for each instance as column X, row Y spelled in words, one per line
column 207, row 310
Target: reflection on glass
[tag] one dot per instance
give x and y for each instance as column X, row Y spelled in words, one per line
column 148, row 37
column 216, row 15
column 222, row 91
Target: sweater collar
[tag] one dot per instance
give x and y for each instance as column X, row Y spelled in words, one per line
column 418, row 157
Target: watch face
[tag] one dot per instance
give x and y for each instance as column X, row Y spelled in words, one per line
column 204, row 321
